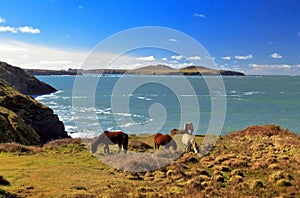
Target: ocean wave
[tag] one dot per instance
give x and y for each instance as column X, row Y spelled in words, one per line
column 250, row 93
column 143, row 98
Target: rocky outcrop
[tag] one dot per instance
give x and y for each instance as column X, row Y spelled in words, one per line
column 22, row 81
column 26, row 120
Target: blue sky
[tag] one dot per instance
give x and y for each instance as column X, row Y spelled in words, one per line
column 256, row 37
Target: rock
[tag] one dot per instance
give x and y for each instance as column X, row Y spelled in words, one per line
column 29, row 115
column 256, row 184
column 22, row 81
column 202, row 172
column 138, row 146
column 219, row 178
column 278, row 175
column 283, row 182
column 238, row 172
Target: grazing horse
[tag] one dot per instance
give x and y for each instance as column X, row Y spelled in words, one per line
column 164, row 140
column 189, row 143
column 110, row 138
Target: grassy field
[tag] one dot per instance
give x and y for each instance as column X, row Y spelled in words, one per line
column 258, row 162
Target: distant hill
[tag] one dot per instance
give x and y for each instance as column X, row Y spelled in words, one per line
column 147, row 70
column 190, row 70
column 154, row 70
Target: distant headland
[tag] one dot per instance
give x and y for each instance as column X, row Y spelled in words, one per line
column 147, row 70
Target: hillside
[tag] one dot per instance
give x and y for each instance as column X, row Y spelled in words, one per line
column 24, row 82
column 259, row 161
column 25, row 120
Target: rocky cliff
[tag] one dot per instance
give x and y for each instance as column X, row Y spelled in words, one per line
column 24, row 120
column 22, row 81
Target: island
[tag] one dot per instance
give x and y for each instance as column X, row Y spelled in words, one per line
column 147, row 70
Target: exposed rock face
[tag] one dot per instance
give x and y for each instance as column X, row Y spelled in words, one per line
column 21, row 110
column 24, row 82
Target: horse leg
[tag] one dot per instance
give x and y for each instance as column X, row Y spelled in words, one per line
column 125, row 143
column 119, row 147
column 106, row 147
column 156, row 145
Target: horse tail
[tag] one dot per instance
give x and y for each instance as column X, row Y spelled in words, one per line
column 125, row 142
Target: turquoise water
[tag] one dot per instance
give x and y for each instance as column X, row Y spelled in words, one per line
column 250, row 100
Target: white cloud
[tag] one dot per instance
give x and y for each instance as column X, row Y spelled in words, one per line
column 81, row 7
column 24, row 29
column 28, row 29
column 199, row 15
column 146, row 58
column 8, row 29
column 239, row 57
column 173, row 40
column 298, row 33
column 280, row 66
column 275, row 55
column 270, row 69
column 164, row 59
column 2, row 20
column 177, row 57
column 194, row 58
column 226, row 58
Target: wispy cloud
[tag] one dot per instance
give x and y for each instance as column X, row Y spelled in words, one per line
column 239, row 57
column 81, row 7
column 194, row 58
column 24, row 29
column 270, row 69
column 199, row 15
column 276, row 55
column 2, row 20
column 226, row 57
column 280, row 66
column 173, row 40
column 298, row 33
column 164, row 59
column 146, row 58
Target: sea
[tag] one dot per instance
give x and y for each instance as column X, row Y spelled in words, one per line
column 138, row 104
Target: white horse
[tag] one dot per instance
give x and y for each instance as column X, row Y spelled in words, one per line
column 189, row 143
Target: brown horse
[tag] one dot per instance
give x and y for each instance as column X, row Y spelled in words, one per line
column 164, row 140
column 110, row 138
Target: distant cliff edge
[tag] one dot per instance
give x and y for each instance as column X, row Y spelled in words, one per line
column 24, row 82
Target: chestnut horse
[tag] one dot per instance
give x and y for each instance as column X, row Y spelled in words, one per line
column 164, row 140
column 110, row 138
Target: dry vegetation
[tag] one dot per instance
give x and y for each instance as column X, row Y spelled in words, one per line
column 260, row 161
